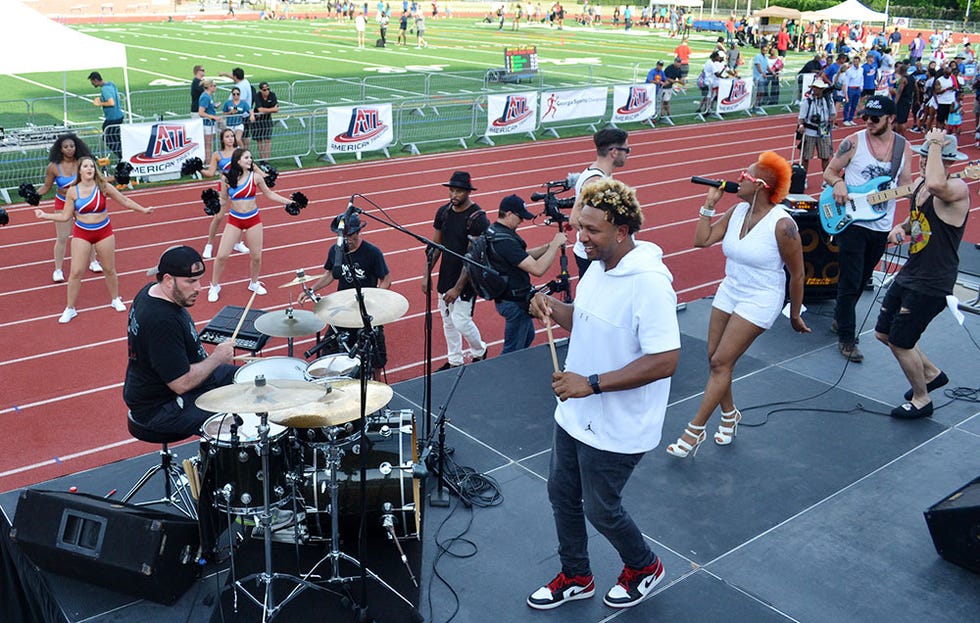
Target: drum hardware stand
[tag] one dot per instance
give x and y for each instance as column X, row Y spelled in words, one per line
column 388, row 523
column 440, row 498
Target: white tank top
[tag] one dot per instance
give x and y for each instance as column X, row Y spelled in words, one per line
column 753, row 265
column 864, row 167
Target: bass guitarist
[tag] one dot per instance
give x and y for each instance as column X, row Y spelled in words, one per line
column 873, row 152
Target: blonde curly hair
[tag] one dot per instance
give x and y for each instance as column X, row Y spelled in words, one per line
column 617, row 200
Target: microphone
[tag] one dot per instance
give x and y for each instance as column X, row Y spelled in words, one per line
column 728, row 187
column 569, row 182
column 340, row 231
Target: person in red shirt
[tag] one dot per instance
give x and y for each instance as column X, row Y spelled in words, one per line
column 782, row 41
column 683, row 52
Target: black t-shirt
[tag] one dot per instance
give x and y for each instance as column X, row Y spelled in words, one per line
column 455, row 227
column 263, row 101
column 811, row 67
column 196, row 90
column 508, row 251
column 369, row 266
column 163, row 344
column 673, row 73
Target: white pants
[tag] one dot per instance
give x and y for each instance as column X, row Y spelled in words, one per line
column 457, row 323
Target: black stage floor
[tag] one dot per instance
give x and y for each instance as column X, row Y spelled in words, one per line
column 816, row 515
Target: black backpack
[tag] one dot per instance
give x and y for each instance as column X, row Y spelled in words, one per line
column 487, row 285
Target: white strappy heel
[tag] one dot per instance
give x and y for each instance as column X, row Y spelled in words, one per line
column 728, row 428
column 681, row 448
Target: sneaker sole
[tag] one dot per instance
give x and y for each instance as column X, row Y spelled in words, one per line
column 630, row 604
column 554, row 604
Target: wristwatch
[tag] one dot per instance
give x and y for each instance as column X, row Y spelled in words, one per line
column 594, row 382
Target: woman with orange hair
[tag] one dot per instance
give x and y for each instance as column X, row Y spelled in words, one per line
column 758, row 238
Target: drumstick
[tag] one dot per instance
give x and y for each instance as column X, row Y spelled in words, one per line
column 241, row 320
column 551, row 343
column 246, row 358
column 191, row 471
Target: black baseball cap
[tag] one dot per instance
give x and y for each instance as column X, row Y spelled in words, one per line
column 180, row 261
column 513, row 203
column 878, row 105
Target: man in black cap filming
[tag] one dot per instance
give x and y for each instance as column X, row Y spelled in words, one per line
column 509, row 256
column 168, row 368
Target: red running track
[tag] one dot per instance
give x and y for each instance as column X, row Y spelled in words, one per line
column 62, row 406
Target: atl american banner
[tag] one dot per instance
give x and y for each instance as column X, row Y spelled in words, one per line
column 156, row 150
column 512, row 114
column 734, row 94
column 634, row 102
column 359, row 128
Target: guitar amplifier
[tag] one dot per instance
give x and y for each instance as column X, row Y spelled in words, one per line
column 223, row 325
column 800, row 202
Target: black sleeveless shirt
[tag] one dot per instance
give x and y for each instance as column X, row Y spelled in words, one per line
column 933, row 252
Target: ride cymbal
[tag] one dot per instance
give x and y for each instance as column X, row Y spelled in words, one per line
column 289, row 323
column 259, row 398
column 300, row 279
column 341, row 405
column 341, row 309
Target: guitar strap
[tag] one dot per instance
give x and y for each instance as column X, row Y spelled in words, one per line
column 898, row 157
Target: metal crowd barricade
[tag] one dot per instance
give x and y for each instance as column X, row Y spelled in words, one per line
column 441, row 119
column 15, row 113
column 325, row 91
column 24, row 153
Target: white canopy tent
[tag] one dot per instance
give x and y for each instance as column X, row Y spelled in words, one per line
column 47, row 46
column 852, row 11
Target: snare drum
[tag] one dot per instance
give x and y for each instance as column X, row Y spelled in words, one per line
column 391, row 452
column 333, row 367
column 233, row 469
column 280, row 368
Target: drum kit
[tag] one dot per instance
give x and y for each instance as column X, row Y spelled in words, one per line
column 315, row 438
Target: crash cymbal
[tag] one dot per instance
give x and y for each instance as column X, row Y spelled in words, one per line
column 289, row 323
column 301, row 278
column 341, row 405
column 252, row 398
column 340, row 309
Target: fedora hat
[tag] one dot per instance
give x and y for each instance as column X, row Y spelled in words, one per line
column 460, row 179
column 950, row 150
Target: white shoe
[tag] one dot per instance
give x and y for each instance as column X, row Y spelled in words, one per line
column 95, row 267
column 208, row 250
column 257, row 287
column 58, row 276
column 213, row 293
column 117, row 304
column 240, row 247
column 67, row 315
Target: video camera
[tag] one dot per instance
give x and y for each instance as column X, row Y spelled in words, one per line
column 552, row 204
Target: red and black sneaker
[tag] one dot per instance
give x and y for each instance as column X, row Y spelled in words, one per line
column 633, row 585
column 563, row 588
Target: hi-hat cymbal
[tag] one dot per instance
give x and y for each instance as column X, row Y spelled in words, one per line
column 340, row 309
column 300, row 279
column 289, row 323
column 251, row 398
column 341, row 405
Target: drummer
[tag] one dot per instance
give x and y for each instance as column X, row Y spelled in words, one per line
column 369, row 269
column 168, row 368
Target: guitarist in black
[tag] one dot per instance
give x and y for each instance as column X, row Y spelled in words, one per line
column 873, row 152
column 934, row 230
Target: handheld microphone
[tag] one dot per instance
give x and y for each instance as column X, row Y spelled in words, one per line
column 728, row 187
column 340, row 231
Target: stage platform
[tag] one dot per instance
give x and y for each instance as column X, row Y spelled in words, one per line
column 814, row 514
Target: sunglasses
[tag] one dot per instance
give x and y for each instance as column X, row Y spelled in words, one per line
column 871, row 118
column 744, row 175
column 264, row 89
column 624, row 149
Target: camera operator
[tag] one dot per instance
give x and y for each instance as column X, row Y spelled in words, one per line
column 518, row 264
column 611, row 153
column 816, row 120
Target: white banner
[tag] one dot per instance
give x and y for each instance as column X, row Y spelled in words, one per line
column 156, row 150
column 634, row 102
column 572, row 104
column 734, row 94
column 511, row 114
column 359, row 128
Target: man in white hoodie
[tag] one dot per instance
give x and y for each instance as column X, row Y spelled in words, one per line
column 623, row 349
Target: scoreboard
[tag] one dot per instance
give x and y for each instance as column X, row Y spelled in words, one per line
column 521, row 60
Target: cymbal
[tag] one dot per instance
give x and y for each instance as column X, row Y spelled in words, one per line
column 340, row 309
column 301, row 278
column 289, row 323
column 251, row 398
column 341, row 405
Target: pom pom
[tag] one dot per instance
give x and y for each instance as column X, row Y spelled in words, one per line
column 271, row 173
column 4, row 217
column 292, row 208
column 300, row 199
column 29, row 194
column 191, row 166
column 123, row 171
column 212, row 202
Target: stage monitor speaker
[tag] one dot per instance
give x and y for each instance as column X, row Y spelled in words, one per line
column 954, row 524
column 129, row 549
column 820, row 258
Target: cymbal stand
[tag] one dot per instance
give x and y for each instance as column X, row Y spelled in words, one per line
column 289, row 340
column 268, row 603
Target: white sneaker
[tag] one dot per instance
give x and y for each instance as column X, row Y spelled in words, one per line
column 67, row 315
column 58, row 276
column 117, row 304
column 208, row 250
column 213, row 293
column 257, row 287
column 95, row 267
column 240, row 247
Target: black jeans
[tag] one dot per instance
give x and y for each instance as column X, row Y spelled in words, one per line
column 860, row 250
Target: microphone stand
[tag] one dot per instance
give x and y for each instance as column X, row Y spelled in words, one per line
column 440, row 497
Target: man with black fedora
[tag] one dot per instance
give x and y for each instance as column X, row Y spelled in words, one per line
column 872, row 152
column 933, row 230
column 453, row 223
column 511, row 257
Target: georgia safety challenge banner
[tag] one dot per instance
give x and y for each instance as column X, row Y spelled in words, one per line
column 156, row 150
column 511, row 114
column 634, row 102
column 359, row 128
column 734, row 94
column 572, row 104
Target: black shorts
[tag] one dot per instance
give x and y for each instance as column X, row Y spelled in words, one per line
column 942, row 113
column 261, row 130
column 902, row 110
column 904, row 328
column 867, row 92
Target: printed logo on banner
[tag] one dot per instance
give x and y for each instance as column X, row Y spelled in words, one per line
column 516, row 110
column 637, row 101
column 632, row 103
column 365, row 124
column 552, row 109
column 167, row 141
column 736, row 94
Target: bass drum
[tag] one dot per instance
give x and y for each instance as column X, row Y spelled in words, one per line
column 281, row 368
column 392, row 450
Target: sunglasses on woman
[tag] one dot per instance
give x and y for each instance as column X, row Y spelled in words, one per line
column 744, row 175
